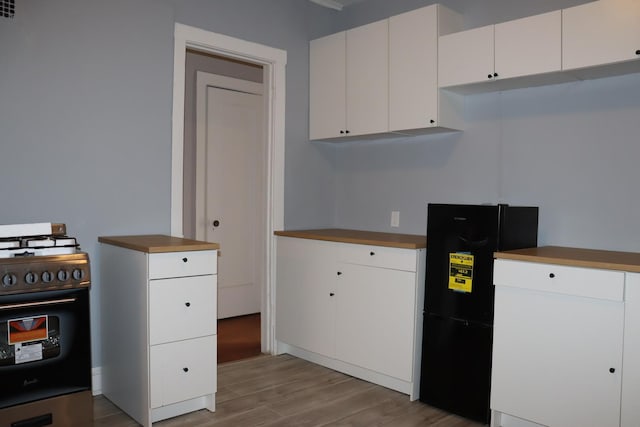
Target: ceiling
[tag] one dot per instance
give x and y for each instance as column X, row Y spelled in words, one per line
column 336, row 4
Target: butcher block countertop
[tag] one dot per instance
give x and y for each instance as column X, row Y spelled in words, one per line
column 359, row 237
column 576, row 257
column 157, row 243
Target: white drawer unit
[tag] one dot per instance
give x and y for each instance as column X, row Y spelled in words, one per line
column 181, row 308
column 180, row 264
column 560, row 279
column 159, row 301
column 182, row 370
column 378, row 256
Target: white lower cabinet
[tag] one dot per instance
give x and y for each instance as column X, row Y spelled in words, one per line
column 158, row 326
column 557, row 346
column 354, row 308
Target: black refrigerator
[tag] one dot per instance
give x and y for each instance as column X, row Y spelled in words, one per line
column 459, row 293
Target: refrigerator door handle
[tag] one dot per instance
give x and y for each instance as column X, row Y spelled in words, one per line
column 475, row 243
column 463, row 321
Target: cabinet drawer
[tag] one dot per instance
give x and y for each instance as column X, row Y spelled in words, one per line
column 180, row 264
column 182, row 308
column 378, row 256
column 182, row 370
column 578, row 281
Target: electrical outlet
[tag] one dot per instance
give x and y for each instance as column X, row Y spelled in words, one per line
column 395, row 218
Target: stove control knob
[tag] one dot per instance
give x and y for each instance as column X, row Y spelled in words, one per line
column 31, row 278
column 47, row 276
column 63, row 275
column 77, row 274
column 9, row 279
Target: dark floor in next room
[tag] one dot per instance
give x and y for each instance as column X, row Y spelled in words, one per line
column 238, row 337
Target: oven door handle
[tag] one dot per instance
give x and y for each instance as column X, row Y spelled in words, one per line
column 37, row 304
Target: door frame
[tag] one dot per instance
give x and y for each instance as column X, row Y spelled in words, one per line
column 273, row 62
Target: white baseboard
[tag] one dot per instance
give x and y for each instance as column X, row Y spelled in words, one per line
column 96, row 381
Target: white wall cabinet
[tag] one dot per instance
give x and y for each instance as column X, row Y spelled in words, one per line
column 381, row 78
column 601, row 38
column 522, row 52
column 557, row 349
column 158, row 326
column 368, row 79
column 354, row 308
column 348, row 89
column 466, row 57
column 415, row 103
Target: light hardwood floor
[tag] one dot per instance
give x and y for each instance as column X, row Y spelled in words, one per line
column 287, row 391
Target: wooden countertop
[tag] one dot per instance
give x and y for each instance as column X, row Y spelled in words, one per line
column 157, row 243
column 576, row 257
column 393, row 240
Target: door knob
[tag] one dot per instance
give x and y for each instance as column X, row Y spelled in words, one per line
column 216, row 223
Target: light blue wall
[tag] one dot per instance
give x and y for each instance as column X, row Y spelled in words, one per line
column 86, row 107
column 569, row 149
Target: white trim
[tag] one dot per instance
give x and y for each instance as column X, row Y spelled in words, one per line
column 274, row 63
column 96, row 380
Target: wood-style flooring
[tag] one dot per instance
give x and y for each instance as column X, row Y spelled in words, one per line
column 286, row 391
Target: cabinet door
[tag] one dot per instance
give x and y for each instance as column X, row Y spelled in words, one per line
column 182, row 308
column 466, row 57
column 557, row 359
column 327, row 87
column 182, row 370
column 375, row 319
column 529, row 45
column 630, row 410
column 413, row 69
column 600, row 32
column 306, row 275
column 368, row 79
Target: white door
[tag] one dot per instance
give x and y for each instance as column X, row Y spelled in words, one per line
column 230, row 187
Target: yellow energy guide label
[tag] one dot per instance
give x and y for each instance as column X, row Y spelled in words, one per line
column 460, row 272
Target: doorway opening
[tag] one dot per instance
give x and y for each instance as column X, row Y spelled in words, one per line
column 272, row 62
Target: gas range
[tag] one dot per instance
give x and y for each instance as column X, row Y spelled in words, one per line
column 40, row 257
column 45, row 340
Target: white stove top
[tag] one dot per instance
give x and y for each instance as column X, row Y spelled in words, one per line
column 35, row 240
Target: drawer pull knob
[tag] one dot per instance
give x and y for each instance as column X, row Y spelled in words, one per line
column 185, row 369
column 188, row 304
column 552, row 275
column 331, row 294
column 339, row 273
column 612, row 370
column 372, row 253
column 185, row 259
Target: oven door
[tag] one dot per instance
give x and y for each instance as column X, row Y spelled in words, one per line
column 45, row 346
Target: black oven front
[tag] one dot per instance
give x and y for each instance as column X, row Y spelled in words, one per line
column 45, row 350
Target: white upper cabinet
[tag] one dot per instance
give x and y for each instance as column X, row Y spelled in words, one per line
column 349, row 82
column 414, row 99
column 529, row 46
column 327, row 86
column 519, row 53
column 466, row 57
column 602, row 33
column 368, row 79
